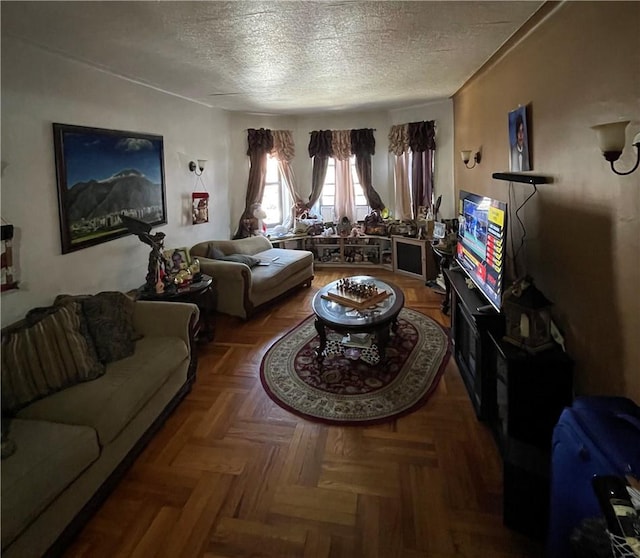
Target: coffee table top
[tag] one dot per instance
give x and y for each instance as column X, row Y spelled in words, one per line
column 335, row 314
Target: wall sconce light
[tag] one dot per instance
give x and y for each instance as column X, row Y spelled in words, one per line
column 466, row 157
column 611, row 138
column 200, row 166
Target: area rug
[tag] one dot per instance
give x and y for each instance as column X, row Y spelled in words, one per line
column 344, row 389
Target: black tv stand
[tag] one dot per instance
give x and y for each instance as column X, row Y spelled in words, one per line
column 485, row 309
column 471, row 325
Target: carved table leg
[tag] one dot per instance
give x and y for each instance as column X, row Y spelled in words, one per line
column 323, row 338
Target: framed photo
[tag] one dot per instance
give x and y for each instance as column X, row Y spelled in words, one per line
column 177, row 260
column 519, row 159
column 200, row 207
column 103, row 174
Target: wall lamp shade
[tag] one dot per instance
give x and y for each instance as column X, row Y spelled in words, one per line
column 466, row 157
column 193, row 167
column 611, row 138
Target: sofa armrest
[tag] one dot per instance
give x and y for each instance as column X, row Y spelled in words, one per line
column 172, row 319
column 233, row 283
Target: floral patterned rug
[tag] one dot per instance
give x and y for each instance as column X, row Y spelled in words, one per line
column 343, row 388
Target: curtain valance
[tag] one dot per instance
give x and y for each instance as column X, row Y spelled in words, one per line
column 341, row 144
column 414, row 136
column 283, row 147
column 320, row 143
column 259, row 141
column 363, row 142
column 422, row 136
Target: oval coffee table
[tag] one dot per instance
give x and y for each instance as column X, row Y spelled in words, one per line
column 376, row 320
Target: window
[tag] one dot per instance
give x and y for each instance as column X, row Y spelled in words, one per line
column 328, row 196
column 274, row 201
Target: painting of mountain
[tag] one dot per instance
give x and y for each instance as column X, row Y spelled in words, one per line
column 102, row 175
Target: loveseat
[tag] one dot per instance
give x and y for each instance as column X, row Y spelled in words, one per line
column 250, row 272
column 78, row 412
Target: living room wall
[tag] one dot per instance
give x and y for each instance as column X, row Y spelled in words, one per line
column 575, row 68
column 382, row 162
column 39, row 88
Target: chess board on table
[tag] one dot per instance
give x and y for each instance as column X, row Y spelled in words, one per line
column 353, row 300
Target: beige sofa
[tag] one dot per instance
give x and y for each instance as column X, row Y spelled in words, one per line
column 243, row 289
column 73, row 446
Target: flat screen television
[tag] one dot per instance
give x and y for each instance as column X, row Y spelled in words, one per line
column 482, row 243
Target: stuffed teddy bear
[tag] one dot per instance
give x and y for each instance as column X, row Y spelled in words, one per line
column 260, row 215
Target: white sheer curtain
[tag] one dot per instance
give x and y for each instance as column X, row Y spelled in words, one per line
column 345, row 200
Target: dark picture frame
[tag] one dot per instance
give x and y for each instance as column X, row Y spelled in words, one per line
column 103, row 174
column 519, row 153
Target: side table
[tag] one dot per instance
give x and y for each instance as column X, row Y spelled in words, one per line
column 203, row 293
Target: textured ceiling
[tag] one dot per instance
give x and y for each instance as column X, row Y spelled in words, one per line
column 278, row 57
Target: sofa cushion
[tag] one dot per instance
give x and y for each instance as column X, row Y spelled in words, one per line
column 215, row 253
column 49, row 457
column 283, row 264
column 110, row 402
column 45, row 357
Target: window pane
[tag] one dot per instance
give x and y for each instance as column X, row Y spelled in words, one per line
column 272, row 170
column 271, row 203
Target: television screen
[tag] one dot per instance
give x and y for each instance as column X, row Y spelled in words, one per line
column 482, row 243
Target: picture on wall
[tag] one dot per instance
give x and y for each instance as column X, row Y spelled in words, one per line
column 200, row 207
column 102, row 175
column 519, row 159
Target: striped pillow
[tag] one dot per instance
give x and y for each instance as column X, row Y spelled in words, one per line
column 46, row 357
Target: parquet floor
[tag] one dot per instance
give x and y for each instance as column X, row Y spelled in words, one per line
column 231, row 474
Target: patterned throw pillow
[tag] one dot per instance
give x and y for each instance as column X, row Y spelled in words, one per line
column 110, row 318
column 215, row 253
column 241, row 258
column 46, row 356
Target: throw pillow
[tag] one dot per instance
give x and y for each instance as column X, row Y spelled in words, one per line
column 215, row 253
column 46, row 356
column 110, row 319
column 242, row 258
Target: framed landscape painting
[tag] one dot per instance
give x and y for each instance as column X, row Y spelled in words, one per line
column 102, row 175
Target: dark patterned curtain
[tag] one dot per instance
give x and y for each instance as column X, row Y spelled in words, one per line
column 422, row 141
column 260, row 144
column 363, row 146
column 320, row 151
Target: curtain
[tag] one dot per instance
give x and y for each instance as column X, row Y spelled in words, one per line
column 284, row 151
column 260, row 144
column 320, row 150
column 404, row 209
column 363, row 146
column 399, row 147
column 422, row 142
column 345, row 204
column 345, row 200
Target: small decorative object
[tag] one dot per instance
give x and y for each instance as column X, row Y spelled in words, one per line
column 8, row 277
column 156, row 271
column 259, row 214
column 102, row 175
column 344, row 227
column 200, row 207
column 528, row 317
column 177, row 259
